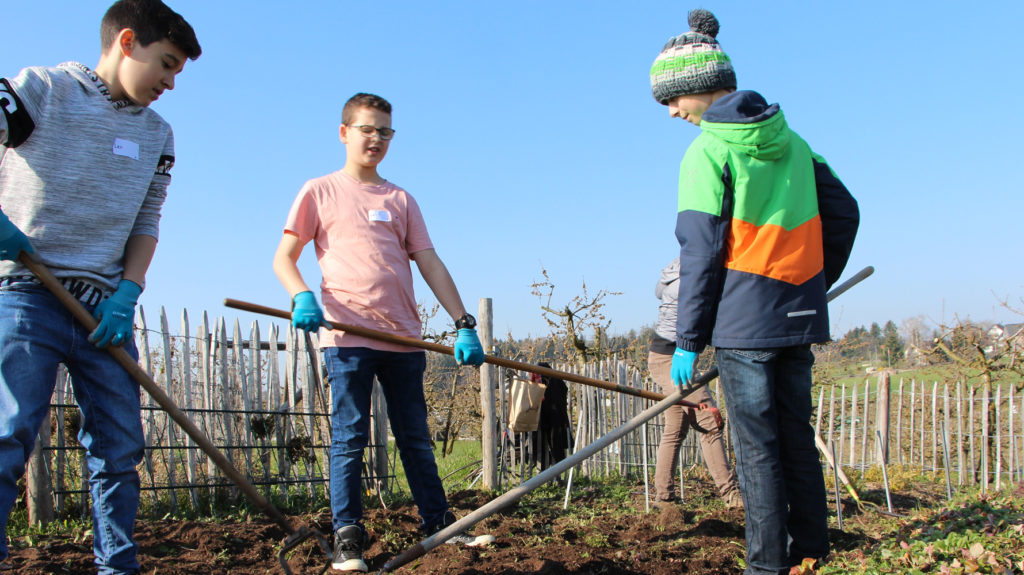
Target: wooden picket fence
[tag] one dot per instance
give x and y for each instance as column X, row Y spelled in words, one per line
column 913, row 425
column 918, row 423
column 260, row 395
column 259, row 398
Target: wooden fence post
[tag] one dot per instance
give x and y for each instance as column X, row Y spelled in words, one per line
column 912, row 429
column 882, row 413
column 853, row 428
column 37, row 481
column 61, row 459
column 831, row 413
column 150, row 417
column 998, row 467
column 985, row 431
column 899, row 424
column 206, row 382
column 168, row 373
column 935, row 426
column 865, row 457
column 186, row 382
column 488, row 443
column 947, row 421
column 960, row 433
column 970, row 433
column 842, row 425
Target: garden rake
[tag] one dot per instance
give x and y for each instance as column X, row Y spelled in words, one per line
column 295, row 536
column 698, row 381
column 491, row 359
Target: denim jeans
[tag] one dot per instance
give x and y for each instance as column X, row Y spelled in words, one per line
column 350, row 372
column 36, row 334
column 768, row 394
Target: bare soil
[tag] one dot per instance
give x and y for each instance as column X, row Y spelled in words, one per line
column 599, row 536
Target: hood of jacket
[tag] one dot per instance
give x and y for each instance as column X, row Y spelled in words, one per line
column 745, row 122
column 91, row 82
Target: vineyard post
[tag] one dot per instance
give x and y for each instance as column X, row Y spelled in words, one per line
column 882, row 415
column 487, row 382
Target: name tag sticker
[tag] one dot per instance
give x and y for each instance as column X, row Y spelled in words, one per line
column 379, row 216
column 126, row 148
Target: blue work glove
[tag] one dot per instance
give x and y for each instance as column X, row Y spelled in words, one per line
column 467, row 348
column 116, row 315
column 682, row 369
column 306, row 313
column 12, row 240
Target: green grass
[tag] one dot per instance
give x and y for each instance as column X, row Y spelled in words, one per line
column 849, row 374
column 972, row 534
column 461, row 462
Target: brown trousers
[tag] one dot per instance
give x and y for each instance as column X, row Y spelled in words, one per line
column 711, row 443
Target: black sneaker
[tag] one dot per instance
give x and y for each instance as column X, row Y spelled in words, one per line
column 463, row 538
column 348, row 549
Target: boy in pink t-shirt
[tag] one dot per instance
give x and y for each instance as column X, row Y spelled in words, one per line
column 365, row 230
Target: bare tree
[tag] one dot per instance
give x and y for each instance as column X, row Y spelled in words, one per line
column 451, row 390
column 571, row 321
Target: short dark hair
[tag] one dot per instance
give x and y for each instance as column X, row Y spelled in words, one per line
column 363, row 100
column 152, row 21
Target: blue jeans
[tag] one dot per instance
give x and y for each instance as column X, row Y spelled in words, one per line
column 36, row 334
column 768, row 393
column 350, row 371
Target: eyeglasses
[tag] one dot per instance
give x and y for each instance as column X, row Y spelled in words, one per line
column 368, row 130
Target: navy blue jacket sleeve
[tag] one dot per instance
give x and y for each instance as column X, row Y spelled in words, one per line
column 702, row 246
column 840, row 218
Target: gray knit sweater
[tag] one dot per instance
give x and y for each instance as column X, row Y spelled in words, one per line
column 79, row 173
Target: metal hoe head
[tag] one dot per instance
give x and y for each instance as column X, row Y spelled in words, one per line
column 296, row 539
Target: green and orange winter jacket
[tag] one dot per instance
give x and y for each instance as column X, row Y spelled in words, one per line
column 764, row 229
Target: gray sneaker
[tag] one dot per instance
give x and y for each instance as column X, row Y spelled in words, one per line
column 348, row 549
column 733, row 499
column 463, row 538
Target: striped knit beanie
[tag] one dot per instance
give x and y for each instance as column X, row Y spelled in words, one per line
column 692, row 63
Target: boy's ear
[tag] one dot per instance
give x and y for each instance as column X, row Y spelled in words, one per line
column 343, row 133
column 125, row 41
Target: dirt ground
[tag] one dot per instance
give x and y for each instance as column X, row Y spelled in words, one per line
column 699, row 536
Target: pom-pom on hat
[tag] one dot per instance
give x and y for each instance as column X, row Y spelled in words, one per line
column 693, row 62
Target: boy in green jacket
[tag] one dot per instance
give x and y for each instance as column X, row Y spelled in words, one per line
column 764, row 228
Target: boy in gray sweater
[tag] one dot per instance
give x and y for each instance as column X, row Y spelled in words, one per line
column 84, row 170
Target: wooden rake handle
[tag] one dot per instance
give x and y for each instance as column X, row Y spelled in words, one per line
column 491, row 359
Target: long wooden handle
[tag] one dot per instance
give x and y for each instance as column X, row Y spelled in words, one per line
column 494, row 360
column 698, row 381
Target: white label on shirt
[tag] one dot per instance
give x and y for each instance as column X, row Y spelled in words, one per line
column 126, row 148
column 379, row 216
column 802, row 313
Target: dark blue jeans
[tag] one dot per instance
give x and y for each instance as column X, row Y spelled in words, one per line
column 350, row 371
column 36, row 334
column 768, row 394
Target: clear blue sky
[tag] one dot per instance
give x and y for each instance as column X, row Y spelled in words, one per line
column 527, row 132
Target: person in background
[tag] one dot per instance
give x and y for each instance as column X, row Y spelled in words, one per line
column 712, row 446
column 551, row 440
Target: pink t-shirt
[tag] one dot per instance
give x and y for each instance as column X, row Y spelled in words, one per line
column 364, row 236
